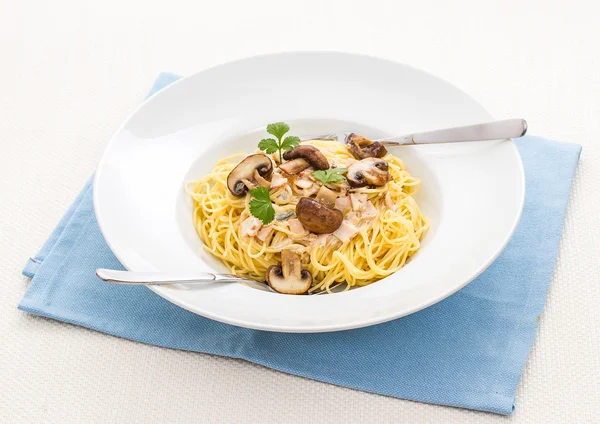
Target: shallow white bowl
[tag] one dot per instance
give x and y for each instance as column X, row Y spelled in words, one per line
column 472, row 192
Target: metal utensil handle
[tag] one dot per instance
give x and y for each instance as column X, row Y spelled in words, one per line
column 161, row 278
column 497, row 130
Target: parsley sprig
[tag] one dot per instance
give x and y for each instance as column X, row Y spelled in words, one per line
column 270, row 145
column 330, row 176
column 261, row 206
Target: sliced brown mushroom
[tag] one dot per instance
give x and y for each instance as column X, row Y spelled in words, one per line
column 294, row 166
column 241, row 178
column 318, row 218
column 309, row 153
column 368, row 172
column 361, row 147
column 289, row 277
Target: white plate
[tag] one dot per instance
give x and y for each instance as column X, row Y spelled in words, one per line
column 472, row 192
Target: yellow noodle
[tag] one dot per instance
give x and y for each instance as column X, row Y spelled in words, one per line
column 380, row 248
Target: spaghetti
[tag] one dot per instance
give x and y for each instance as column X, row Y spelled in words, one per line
column 381, row 245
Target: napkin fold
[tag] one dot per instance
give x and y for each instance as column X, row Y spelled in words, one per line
column 467, row 351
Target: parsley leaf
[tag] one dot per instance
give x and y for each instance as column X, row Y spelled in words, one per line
column 261, row 206
column 269, row 145
column 330, row 175
column 278, row 129
column 261, row 193
column 290, row 142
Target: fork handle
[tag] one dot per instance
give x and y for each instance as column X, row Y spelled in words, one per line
column 162, row 278
column 497, row 130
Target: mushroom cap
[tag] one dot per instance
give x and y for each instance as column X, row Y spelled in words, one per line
column 369, row 171
column 289, row 277
column 309, row 153
column 318, row 218
column 245, row 171
column 361, row 147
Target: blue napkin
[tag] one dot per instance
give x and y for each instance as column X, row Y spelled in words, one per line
column 467, row 351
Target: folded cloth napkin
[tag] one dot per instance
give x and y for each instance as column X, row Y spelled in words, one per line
column 467, row 351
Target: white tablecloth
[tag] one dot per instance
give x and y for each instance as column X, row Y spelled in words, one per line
column 73, row 70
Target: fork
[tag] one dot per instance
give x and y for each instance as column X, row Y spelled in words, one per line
column 167, row 278
column 496, row 130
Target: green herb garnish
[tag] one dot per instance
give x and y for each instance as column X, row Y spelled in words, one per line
column 330, row 176
column 261, row 206
column 270, row 145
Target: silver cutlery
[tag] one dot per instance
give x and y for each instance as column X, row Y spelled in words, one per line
column 496, row 130
column 167, row 278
